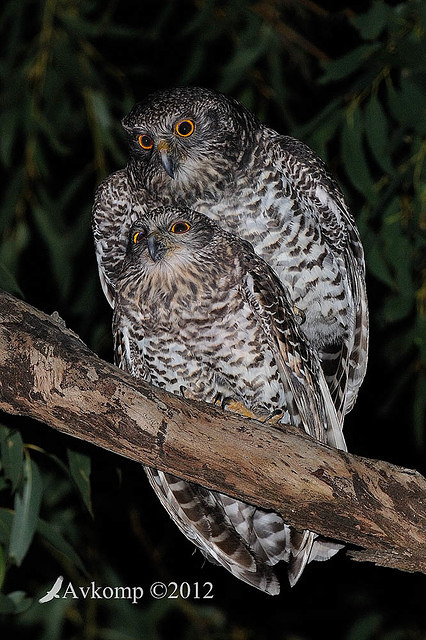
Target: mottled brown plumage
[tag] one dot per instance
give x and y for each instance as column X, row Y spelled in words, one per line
column 198, row 148
column 197, row 312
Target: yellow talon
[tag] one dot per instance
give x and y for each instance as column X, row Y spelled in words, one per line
column 238, row 407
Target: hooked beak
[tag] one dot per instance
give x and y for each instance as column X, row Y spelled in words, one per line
column 166, row 159
column 156, row 247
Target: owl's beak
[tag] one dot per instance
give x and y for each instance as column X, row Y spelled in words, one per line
column 166, row 159
column 156, row 247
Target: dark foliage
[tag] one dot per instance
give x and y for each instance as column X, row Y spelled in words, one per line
column 348, row 81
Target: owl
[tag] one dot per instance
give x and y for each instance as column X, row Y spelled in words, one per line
column 198, row 148
column 199, row 314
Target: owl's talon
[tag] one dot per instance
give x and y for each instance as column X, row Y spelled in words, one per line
column 275, row 416
column 225, row 402
column 218, row 399
column 299, row 315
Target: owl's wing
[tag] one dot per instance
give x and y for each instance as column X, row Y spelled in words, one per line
column 300, row 373
column 114, row 211
column 318, row 196
column 299, row 367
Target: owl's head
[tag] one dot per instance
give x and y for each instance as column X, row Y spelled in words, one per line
column 169, row 236
column 187, row 141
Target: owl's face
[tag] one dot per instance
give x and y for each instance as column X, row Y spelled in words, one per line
column 168, row 237
column 187, row 141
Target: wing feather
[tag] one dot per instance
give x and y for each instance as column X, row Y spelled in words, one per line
column 319, row 196
column 299, row 366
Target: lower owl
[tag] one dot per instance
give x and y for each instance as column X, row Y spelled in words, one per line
column 198, row 313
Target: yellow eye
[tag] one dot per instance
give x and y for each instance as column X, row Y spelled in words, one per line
column 180, row 227
column 185, row 128
column 139, row 236
column 145, row 141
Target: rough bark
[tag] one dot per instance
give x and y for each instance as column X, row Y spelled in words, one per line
column 47, row 373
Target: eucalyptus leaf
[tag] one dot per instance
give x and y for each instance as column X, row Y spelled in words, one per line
column 6, row 520
column 20, row 600
column 246, row 57
column 7, row 605
column 398, row 248
column 376, row 260
column 26, row 511
column 372, row 22
column 348, row 64
column 80, row 466
column 9, row 283
column 12, row 455
column 50, row 533
column 408, row 105
column 397, row 308
column 366, row 627
column 353, row 155
column 420, row 409
column 2, row 565
column 377, row 133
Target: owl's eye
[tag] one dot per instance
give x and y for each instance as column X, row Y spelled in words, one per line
column 180, row 227
column 145, row 141
column 138, row 236
column 185, row 128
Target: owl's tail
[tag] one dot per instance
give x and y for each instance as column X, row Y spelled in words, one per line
column 306, row 547
column 200, row 515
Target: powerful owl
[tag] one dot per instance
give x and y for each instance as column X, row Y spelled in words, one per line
column 197, row 148
column 198, row 313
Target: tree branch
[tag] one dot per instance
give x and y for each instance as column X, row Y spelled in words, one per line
column 47, row 373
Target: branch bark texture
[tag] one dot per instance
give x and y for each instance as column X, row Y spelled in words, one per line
column 47, row 373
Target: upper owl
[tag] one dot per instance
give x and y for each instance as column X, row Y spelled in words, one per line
column 188, row 143
column 198, row 148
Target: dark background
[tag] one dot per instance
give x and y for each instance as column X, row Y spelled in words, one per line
column 350, row 80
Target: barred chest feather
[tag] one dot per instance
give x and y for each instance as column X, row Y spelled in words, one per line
column 202, row 339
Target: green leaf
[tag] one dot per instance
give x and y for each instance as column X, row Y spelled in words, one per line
column 352, row 61
column 6, row 519
column 7, row 605
column 20, row 600
column 420, row 408
column 58, row 542
column 398, row 254
column 353, row 154
column 376, row 262
column 408, row 105
column 2, row 565
column 397, row 308
column 246, row 56
column 48, row 531
column 371, row 23
column 80, row 467
column 27, row 507
column 9, row 283
column 12, row 454
column 366, row 627
column 377, row 134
